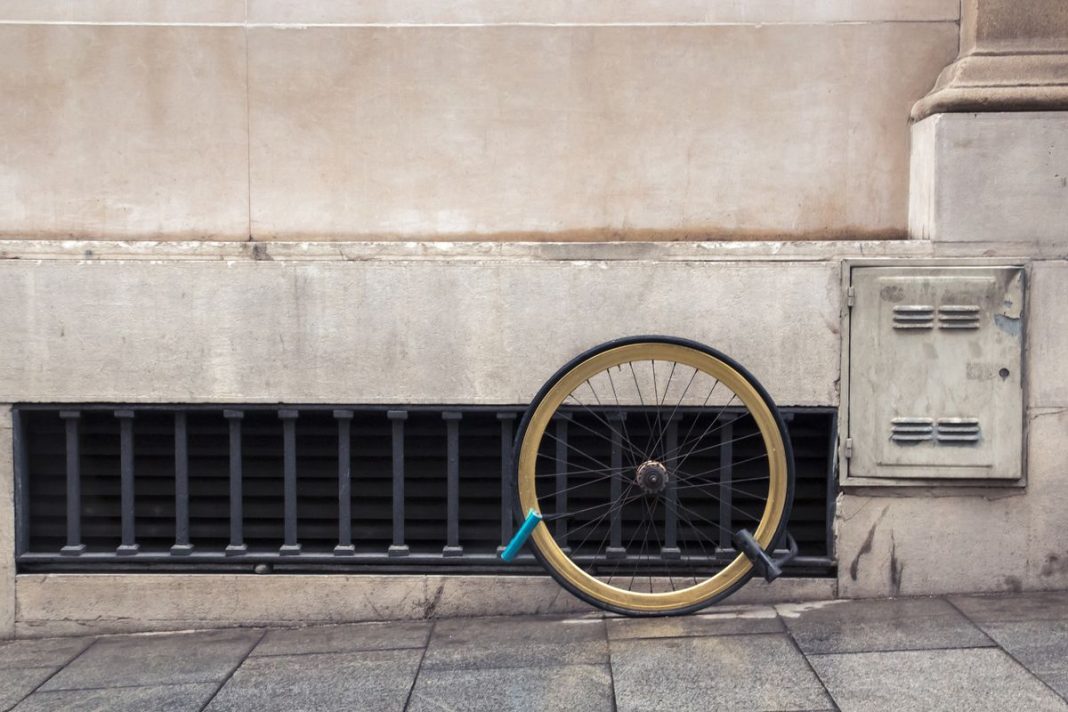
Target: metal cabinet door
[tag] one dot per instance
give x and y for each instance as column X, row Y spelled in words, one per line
column 935, row 359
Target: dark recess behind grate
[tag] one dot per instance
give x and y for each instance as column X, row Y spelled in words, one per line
column 811, row 432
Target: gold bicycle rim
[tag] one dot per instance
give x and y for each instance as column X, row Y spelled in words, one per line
column 777, row 470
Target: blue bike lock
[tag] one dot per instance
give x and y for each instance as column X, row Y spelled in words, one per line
column 521, row 536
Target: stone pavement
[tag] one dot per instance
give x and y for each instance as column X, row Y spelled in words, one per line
column 951, row 653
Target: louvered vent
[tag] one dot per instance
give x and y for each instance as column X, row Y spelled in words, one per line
column 964, row 431
column 914, row 316
column 911, row 430
column 958, row 316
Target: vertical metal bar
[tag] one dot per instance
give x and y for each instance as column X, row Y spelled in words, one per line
column 344, row 484
column 397, row 418
column 452, row 488
column 289, row 547
column 22, row 484
column 507, row 420
column 562, row 420
column 671, row 550
column 237, row 544
column 788, row 420
column 832, row 486
column 74, row 544
column 726, row 475
column 181, row 546
column 615, row 548
column 129, row 545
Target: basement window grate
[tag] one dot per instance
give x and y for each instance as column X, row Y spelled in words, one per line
column 320, row 488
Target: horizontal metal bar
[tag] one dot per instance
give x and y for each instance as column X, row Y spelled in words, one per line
column 273, row 556
column 363, row 557
column 268, row 408
column 329, row 408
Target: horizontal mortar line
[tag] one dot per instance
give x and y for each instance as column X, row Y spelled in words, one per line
column 254, row 655
column 529, row 666
column 909, row 650
column 161, row 683
column 769, row 257
column 406, row 25
column 702, row 635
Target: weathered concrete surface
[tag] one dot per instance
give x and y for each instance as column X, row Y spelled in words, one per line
column 987, row 177
column 713, row 251
column 1045, row 522
column 560, row 120
column 602, row 132
column 566, row 12
column 937, row 541
column 124, row 131
column 80, row 604
column 104, row 11
column 392, row 332
column 931, row 541
column 385, row 12
column 1048, row 333
column 7, row 526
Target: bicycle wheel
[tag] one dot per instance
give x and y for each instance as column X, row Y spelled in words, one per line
column 643, row 456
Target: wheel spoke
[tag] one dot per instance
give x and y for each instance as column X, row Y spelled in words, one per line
column 627, row 442
column 655, row 479
column 714, row 470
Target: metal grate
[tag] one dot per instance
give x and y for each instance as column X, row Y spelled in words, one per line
column 101, row 487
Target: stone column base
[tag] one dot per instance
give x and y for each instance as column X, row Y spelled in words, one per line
column 990, row 177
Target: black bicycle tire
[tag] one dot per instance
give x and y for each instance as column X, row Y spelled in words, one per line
column 710, row 351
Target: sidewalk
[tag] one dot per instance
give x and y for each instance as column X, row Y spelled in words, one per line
column 950, row 653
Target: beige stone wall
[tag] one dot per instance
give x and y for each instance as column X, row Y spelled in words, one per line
column 482, row 119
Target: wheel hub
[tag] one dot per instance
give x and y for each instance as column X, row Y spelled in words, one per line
column 651, row 476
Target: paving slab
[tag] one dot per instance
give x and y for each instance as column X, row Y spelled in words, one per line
column 874, row 625
column 971, row 680
column 16, row 683
column 735, row 672
column 724, row 621
column 1037, row 606
column 373, row 680
column 160, row 698
column 1040, row 646
column 45, row 652
column 516, row 642
column 345, row 638
column 146, row 660
column 576, row 688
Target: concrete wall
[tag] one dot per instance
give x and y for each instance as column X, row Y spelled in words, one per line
column 431, row 331
column 990, row 177
column 220, row 119
column 478, row 323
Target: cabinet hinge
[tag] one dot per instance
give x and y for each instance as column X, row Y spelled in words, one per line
column 851, row 296
column 848, row 449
